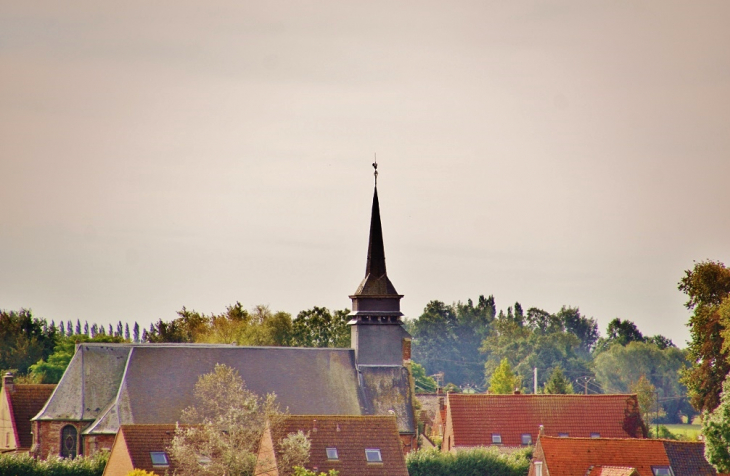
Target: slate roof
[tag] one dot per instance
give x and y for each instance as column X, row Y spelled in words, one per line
column 25, row 402
column 351, row 435
column 688, row 458
column 577, row 456
column 476, row 417
column 117, row 384
column 143, row 439
column 376, row 282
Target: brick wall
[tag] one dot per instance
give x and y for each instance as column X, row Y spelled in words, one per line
column 94, row 443
column 47, row 437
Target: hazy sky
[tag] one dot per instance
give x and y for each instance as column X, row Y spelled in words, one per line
column 155, row 155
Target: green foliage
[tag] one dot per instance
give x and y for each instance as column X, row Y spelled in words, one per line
column 716, row 430
column 540, row 340
column 644, row 391
column 140, row 472
column 472, row 462
column 318, row 327
column 447, row 339
column 424, row 383
column 707, row 286
column 25, row 465
column 24, row 340
column 225, row 427
column 51, row 370
column 299, row 471
column 260, row 327
column 504, row 380
column 663, row 433
column 558, row 383
column 619, row 367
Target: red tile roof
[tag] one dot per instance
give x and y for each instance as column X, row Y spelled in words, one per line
column 475, row 418
column 143, row 439
column 612, row 471
column 26, row 401
column 351, row 435
column 575, row 456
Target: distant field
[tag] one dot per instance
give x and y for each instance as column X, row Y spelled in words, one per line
column 689, row 432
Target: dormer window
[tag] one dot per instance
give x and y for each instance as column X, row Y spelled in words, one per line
column 496, row 439
column 332, row 454
column 526, row 439
column 159, row 458
column 662, row 471
column 373, row 455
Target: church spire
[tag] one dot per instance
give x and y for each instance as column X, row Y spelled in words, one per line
column 376, row 282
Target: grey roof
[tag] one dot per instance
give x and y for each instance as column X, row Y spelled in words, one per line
column 90, row 382
column 148, row 383
column 687, row 458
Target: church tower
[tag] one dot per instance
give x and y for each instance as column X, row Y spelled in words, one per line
column 376, row 329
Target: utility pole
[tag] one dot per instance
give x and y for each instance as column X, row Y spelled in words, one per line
column 585, row 385
column 535, row 381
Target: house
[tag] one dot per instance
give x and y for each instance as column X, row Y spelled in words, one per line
column 352, row 445
column 18, row 404
column 514, row 420
column 141, row 447
column 109, row 385
column 555, row 456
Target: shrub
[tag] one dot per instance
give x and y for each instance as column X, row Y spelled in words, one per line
column 471, row 462
column 25, row 465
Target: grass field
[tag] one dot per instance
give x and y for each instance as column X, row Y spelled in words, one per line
column 688, row 432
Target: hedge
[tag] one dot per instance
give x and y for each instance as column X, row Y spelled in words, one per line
column 25, row 465
column 471, row 462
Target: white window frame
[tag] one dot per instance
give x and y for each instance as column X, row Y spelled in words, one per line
column 496, row 439
column 373, row 451
column 329, row 451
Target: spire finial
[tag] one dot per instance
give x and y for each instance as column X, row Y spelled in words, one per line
column 375, row 166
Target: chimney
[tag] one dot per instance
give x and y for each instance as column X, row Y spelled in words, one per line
column 517, row 391
column 8, row 384
column 542, row 430
column 442, row 404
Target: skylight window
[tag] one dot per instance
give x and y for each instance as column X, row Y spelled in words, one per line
column 562, row 435
column 496, row 439
column 662, row 471
column 332, row 453
column 595, row 435
column 373, row 456
column 526, row 439
column 159, row 458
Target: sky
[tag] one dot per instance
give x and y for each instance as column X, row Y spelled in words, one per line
column 155, row 155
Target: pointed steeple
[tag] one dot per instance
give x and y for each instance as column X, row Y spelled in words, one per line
column 376, row 296
column 376, row 330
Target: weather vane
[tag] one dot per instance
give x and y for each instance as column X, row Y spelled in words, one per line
column 375, row 166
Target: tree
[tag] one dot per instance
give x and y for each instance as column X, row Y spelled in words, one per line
column 504, row 380
column 23, row 340
column 644, row 391
column 225, row 426
column 51, row 369
column 318, row 327
column 447, row 338
column 424, row 383
column 707, row 286
column 135, row 332
column 619, row 367
column 716, row 431
column 558, row 383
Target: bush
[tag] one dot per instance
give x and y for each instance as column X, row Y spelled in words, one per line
column 25, row 465
column 471, row 462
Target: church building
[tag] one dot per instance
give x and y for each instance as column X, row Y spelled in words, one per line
column 109, row 385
